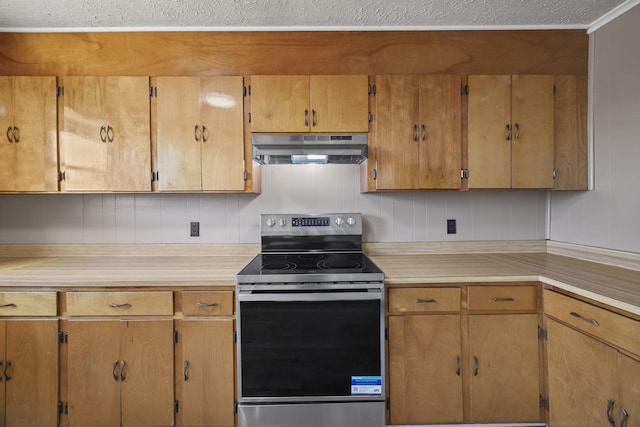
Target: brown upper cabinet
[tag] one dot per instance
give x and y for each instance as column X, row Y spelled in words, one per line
column 28, row 156
column 510, row 131
column 200, row 133
column 320, row 104
column 418, row 132
column 104, row 134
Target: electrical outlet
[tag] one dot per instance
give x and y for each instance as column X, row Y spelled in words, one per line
column 451, row 226
column 195, row 229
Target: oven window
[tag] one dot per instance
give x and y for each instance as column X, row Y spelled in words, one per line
column 308, row 348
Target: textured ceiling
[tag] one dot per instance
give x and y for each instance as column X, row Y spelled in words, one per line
column 252, row 14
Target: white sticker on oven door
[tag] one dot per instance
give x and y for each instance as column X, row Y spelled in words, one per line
column 366, row 385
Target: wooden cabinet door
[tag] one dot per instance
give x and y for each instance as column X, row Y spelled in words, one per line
column 582, row 378
column 629, row 375
column 7, row 147
column 179, row 142
column 397, row 133
column 440, row 121
column 504, row 368
column 208, row 376
column 570, row 133
column 339, row 103
column 222, row 118
column 31, row 379
column 147, row 380
column 129, row 143
column 93, row 373
column 424, row 369
column 280, row 104
column 83, row 145
column 532, row 127
column 489, row 115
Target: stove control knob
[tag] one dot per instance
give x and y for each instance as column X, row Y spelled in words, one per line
column 271, row 222
column 282, row 222
column 351, row 221
column 339, row 221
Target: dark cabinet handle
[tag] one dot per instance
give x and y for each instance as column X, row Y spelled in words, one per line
column 624, row 416
column 594, row 322
column 124, row 305
column 186, row 370
column 610, row 404
column 517, row 127
column 8, row 305
column 498, row 299
column 314, row 118
column 475, row 370
column 205, row 133
column 103, row 134
column 458, row 365
column 115, row 374
column 204, row 304
column 9, row 134
column 6, row 369
column 306, row 117
column 508, row 129
column 425, row 301
column 196, row 133
column 424, row 132
column 109, row 134
column 415, row 132
column 16, row 134
column 123, row 365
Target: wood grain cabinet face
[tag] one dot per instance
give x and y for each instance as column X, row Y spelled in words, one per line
column 200, row 133
column 28, row 149
column 418, row 132
column 28, row 359
column 320, row 104
column 510, row 131
column 104, row 134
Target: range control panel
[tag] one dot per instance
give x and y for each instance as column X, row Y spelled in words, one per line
column 310, row 224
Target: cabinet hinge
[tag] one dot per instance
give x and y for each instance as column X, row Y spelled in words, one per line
column 153, row 91
column 244, row 91
column 63, row 337
column 249, row 90
column 374, row 89
column 245, row 175
column 464, row 173
column 60, row 91
column 235, row 406
column 370, row 116
column 375, row 174
column 176, row 406
column 155, row 176
column 464, row 89
column 63, row 407
column 388, row 403
column 175, row 337
column 62, row 175
column 249, row 117
column 543, row 403
column 543, row 333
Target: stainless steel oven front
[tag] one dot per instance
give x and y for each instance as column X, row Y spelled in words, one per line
column 311, row 355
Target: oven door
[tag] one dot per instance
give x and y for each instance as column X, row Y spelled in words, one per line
column 311, row 346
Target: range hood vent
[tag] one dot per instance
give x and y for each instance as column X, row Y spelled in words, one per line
column 309, row 148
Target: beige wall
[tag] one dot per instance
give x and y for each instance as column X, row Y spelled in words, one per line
column 609, row 217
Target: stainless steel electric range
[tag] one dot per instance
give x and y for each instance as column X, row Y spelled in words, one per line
column 310, row 312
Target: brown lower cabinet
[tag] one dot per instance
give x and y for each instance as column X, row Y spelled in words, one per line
column 476, row 362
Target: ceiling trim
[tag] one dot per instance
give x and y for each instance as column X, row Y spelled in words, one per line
column 294, row 28
column 612, row 14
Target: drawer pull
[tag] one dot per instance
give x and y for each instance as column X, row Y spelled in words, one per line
column 186, row 370
column 204, row 304
column 123, row 365
column 623, row 417
column 475, row 362
column 610, row 404
column 125, row 305
column 8, row 305
column 425, row 301
column 7, row 365
column 115, row 366
column 498, row 299
column 586, row 319
column 458, row 365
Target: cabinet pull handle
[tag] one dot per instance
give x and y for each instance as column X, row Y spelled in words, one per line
column 475, row 369
column 115, row 374
column 499, row 299
column 6, row 368
column 424, row 132
column 508, row 129
column 109, row 134
column 610, row 404
column 9, row 137
column 205, row 133
column 8, row 305
column 103, row 134
column 196, row 133
column 415, row 132
column 517, row 127
column 123, row 365
column 586, row 319
column 124, row 305
column 306, row 117
column 425, row 301
column 314, row 119
column 204, row 304
column 624, row 415
column 458, row 365
column 16, row 134
column 186, row 370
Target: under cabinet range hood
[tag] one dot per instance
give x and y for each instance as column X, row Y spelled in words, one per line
column 309, row 148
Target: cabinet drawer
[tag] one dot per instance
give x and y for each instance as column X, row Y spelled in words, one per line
column 502, row 298
column 28, row 304
column 120, row 303
column 207, row 303
column 424, row 300
column 611, row 327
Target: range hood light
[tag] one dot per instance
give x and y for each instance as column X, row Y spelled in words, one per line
column 302, row 159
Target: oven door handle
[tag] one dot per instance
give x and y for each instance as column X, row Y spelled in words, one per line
column 312, row 296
